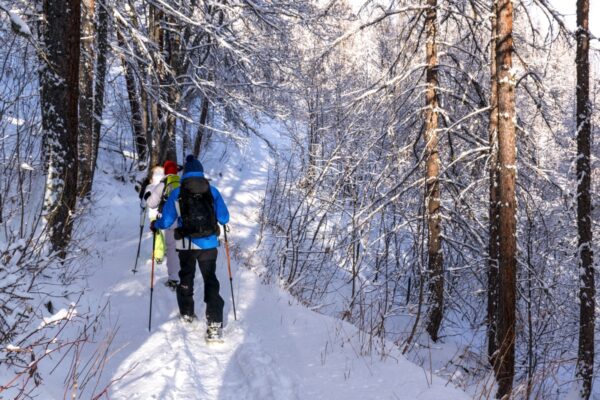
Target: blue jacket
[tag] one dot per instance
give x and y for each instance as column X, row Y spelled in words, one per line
column 169, row 216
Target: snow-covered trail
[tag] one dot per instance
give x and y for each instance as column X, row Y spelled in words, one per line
column 277, row 349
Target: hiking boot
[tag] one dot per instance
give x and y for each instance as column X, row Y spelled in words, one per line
column 214, row 332
column 188, row 318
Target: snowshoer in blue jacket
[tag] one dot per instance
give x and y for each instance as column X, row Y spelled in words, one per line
column 196, row 207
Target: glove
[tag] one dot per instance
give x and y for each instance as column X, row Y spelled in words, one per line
column 153, row 228
column 143, row 186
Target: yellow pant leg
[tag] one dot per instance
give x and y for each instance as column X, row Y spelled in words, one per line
column 159, row 246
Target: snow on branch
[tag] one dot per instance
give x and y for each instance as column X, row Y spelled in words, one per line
column 17, row 24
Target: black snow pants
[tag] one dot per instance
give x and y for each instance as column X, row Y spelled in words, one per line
column 207, row 261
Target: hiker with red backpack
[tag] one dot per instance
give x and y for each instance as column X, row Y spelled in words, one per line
column 155, row 197
column 197, row 207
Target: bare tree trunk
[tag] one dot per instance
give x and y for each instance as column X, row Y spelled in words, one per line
column 60, row 96
column 102, row 49
column 492, row 306
column 173, row 43
column 86, row 99
column 507, row 177
column 139, row 134
column 146, row 127
column 201, row 127
column 186, row 140
column 313, row 135
column 168, row 140
column 146, row 123
column 156, row 35
column 587, row 292
column 432, row 186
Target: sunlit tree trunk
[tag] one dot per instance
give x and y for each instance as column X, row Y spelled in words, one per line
column 507, row 177
column 432, row 186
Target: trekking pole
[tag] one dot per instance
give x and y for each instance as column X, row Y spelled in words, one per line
column 151, row 282
column 225, row 230
column 142, row 220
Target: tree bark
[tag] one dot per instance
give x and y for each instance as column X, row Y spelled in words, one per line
column 139, row 134
column 173, row 43
column 201, row 127
column 186, row 142
column 313, row 132
column 60, row 95
column 86, row 99
column 156, row 36
column 587, row 293
column 432, row 186
column 493, row 253
column 102, row 49
column 143, row 74
column 507, row 175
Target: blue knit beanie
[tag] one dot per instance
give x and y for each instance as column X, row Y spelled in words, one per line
column 192, row 165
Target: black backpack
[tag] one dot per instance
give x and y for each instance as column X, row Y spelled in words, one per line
column 197, row 209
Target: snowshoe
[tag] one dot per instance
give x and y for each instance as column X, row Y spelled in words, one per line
column 172, row 284
column 214, row 332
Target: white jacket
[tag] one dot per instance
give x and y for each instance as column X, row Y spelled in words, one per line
column 158, row 173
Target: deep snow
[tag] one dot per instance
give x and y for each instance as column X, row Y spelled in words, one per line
column 277, row 349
